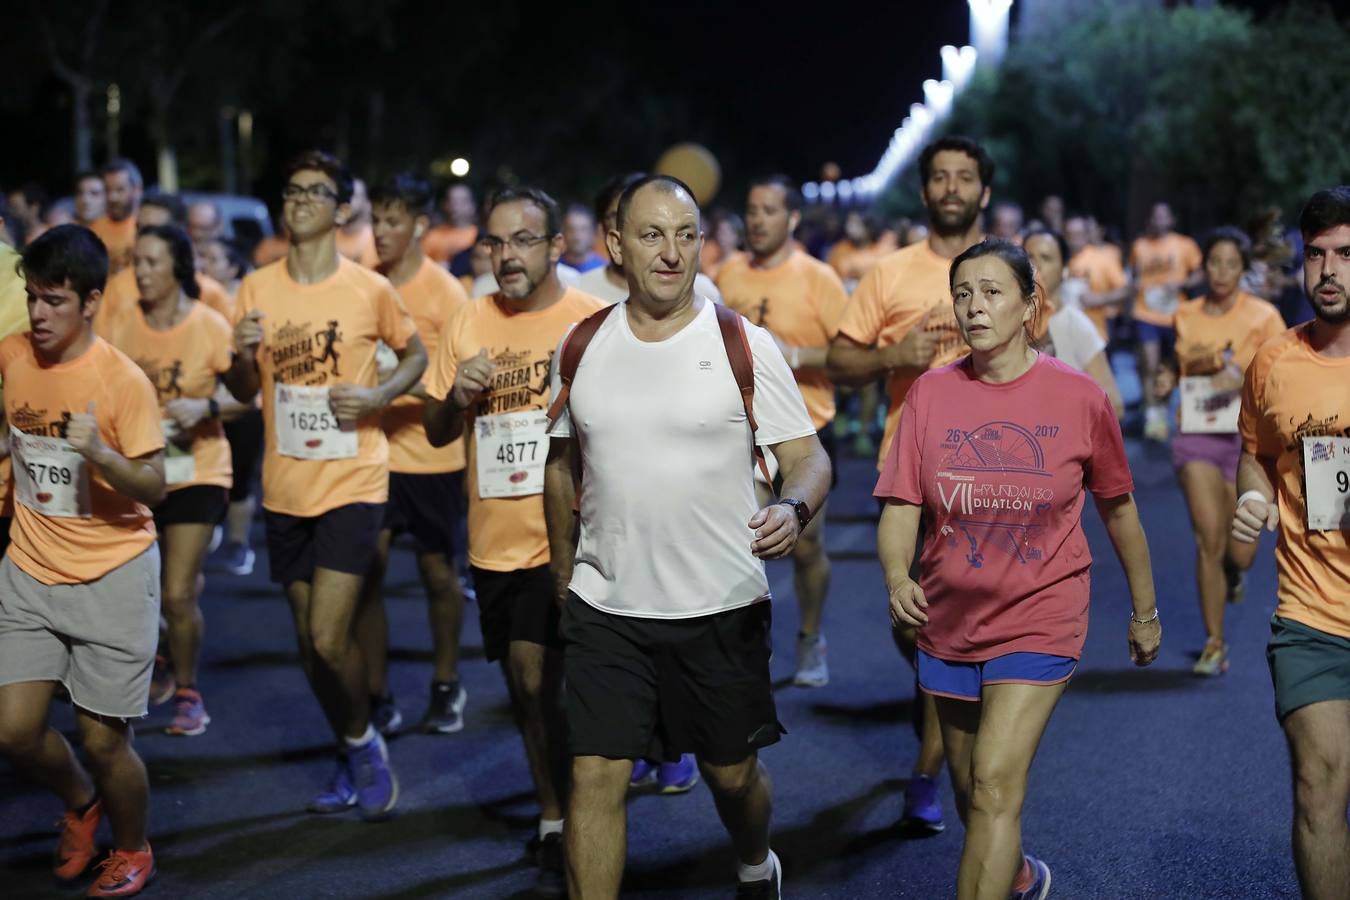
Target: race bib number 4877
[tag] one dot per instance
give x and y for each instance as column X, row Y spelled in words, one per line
column 1326, row 473
column 511, row 449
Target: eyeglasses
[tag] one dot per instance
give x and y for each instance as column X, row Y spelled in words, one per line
column 520, row 242
column 316, row 193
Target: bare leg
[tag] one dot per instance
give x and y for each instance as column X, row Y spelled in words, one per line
column 596, row 834
column 1012, row 719
column 1319, row 750
column 1210, row 501
column 120, row 775
column 534, row 679
column 445, row 612
column 184, row 548
column 324, row 613
column 372, row 625
column 744, row 799
column 36, row 749
column 239, row 520
column 929, row 760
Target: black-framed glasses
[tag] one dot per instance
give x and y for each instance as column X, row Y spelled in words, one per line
column 316, row 192
column 520, row 242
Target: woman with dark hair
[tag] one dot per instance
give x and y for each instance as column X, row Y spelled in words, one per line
column 226, row 262
column 996, row 453
column 1217, row 337
column 1068, row 333
column 183, row 347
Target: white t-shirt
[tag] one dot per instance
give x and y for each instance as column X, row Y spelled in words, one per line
column 667, row 489
column 596, row 283
column 1075, row 339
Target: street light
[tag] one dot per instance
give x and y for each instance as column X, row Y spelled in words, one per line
column 459, row 167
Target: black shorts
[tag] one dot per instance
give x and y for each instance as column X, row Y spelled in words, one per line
column 5, row 522
column 657, row 688
column 1307, row 665
column 342, row 540
column 197, row 504
column 427, row 507
column 516, row 606
column 245, row 435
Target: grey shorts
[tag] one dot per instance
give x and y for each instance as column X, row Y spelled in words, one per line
column 98, row 639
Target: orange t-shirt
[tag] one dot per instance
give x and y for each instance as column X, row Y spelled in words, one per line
column 432, row 296
column 892, row 298
column 122, row 294
column 444, row 242
column 1159, row 261
column 186, row 360
column 270, row 249
column 1206, row 343
column 39, row 399
column 800, row 301
column 359, row 246
column 120, row 239
column 506, row 534
column 1293, row 392
column 321, row 335
column 1099, row 265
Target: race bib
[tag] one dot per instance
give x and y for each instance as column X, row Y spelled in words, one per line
column 1161, row 299
column 180, row 466
column 306, row 426
column 50, row 476
column 1326, row 482
column 510, row 451
column 1205, row 410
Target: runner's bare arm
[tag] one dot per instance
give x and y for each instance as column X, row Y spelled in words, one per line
column 806, row 476
column 1253, row 514
column 242, row 379
column 443, row 420
column 140, row 478
column 353, row 402
column 1100, row 370
column 896, row 535
column 559, row 511
column 849, row 362
column 1121, row 518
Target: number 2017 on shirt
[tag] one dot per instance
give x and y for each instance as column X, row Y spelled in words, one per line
column 1047, row 430
column 513, row 453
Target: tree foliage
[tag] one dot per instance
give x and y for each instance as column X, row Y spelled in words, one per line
column 1204, row 106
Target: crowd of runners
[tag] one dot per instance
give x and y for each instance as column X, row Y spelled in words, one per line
column 596, row 422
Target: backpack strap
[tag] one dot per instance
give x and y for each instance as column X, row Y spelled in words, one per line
column 742, row 362
column 572, row 349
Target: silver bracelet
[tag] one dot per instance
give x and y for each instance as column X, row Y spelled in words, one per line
column 1137, row 621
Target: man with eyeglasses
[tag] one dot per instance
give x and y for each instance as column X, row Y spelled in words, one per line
column 489, row 380
column 306, row 338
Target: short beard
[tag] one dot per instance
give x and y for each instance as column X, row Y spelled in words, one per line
column 1339, row 317
column 966, row 219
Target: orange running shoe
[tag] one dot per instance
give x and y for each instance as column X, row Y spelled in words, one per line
column 77, row 849
column 124, row 873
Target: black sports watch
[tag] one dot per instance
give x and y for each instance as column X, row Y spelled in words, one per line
column 800, row 508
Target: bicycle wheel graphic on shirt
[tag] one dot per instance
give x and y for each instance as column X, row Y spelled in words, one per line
column 998, row 447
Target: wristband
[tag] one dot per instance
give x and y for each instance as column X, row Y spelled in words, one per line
column 1149, row 621
column 1251, row 495
column 213, row 408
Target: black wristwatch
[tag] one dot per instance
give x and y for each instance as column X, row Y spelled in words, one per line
column 213, row 408
column 800, row 508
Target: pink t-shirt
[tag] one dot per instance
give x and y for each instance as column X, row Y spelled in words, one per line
column 999, row 470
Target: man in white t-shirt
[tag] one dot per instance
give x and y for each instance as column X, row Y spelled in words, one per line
column 666, row 617
column 608, row 281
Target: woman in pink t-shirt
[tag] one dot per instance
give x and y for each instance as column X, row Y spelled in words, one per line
column 995, row 453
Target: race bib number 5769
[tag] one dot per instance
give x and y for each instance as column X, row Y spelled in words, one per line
column 50, row 476
column 1326, row 473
